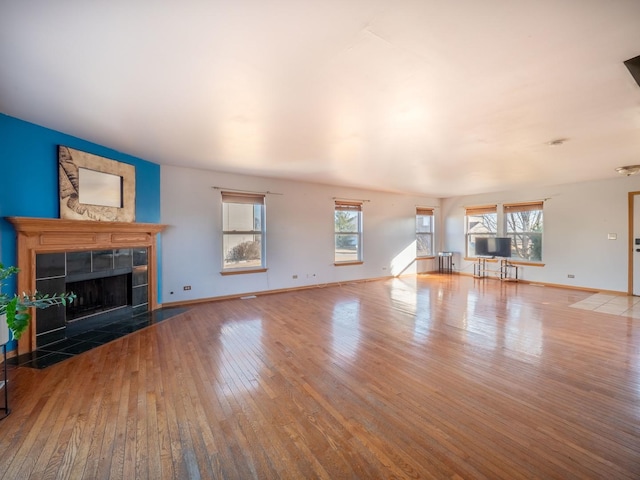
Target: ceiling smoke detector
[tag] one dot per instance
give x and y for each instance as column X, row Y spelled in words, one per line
column 628, row 170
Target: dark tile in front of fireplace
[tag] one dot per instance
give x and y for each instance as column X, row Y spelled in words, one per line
column 104, row 337
column 75, row 348
column 98, row 335
column 94, row 337
column 124, row 327
column 40, row 359
column 59, row 346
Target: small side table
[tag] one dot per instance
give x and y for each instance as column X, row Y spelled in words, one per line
column 445, row 262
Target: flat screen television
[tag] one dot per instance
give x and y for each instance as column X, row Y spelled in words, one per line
column 493, row 247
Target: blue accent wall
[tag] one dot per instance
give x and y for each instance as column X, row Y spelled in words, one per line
column 29, row 180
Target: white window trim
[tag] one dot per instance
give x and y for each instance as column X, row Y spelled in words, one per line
column 246, row 198
column 426, row 211
column 348, row 206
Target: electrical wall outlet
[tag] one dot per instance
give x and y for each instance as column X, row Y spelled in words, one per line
column 187, row 287
column 571, row 275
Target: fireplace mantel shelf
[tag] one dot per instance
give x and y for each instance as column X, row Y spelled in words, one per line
column 31, row 225
column 47, row 235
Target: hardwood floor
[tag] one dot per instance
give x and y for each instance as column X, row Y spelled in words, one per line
column 417, row 377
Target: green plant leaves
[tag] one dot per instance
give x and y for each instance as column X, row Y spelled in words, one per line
column 17, row 307
column 18, row 318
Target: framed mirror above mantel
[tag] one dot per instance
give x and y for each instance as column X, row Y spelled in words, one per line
column 48, row 235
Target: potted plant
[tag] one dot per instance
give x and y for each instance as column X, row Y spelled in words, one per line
column 14, row 309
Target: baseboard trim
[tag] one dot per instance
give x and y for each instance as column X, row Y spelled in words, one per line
column 270, row 292
column 375, row 279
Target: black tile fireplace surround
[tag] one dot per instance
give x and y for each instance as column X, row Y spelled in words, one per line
column 108, row 283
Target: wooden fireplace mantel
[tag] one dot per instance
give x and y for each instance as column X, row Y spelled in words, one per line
column 49, row 235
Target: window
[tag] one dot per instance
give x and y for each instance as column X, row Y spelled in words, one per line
column 348, row 232
column 523, row 223
column 481, row 222
column 424, row 232
column 243, row 231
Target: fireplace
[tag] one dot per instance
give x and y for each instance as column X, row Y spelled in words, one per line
column 111, row 265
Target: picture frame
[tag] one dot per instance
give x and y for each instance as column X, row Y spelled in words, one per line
column 95, row 188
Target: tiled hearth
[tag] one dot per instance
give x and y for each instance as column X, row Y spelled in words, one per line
column 92, row 336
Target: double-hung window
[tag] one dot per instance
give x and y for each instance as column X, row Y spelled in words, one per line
column 523, row 223
column 348, row 232
column 424, row 232
column 243, row 231
column 481, row 221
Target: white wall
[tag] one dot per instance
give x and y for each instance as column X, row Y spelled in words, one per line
column 577, row 219
column 299, row 238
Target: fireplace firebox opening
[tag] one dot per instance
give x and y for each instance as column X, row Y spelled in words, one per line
column 98, row 295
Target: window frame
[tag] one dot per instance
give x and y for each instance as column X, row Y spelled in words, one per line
column 348, row 206
column 476, row 211
column 425, row 212
column 512, row 208
column 254, row 199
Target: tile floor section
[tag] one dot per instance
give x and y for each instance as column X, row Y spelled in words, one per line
column 98, row 335
column 613, row 304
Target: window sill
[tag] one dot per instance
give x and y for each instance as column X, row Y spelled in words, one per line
column 524, row 263
column 241, row 272
column 475, row 259
column 343, row 264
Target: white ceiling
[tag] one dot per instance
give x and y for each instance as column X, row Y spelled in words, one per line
column 433, row 97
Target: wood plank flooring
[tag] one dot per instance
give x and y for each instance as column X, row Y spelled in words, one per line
column 418, row 377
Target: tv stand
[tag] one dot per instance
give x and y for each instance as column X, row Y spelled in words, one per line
column 480, row 268
column 506, row 271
